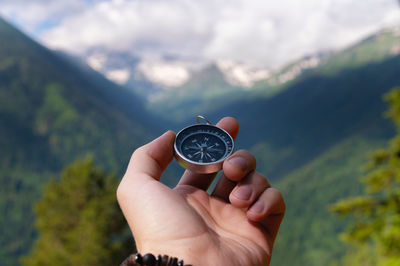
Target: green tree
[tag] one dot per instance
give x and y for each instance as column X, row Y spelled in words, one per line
column 79, row 221
column 376, row 227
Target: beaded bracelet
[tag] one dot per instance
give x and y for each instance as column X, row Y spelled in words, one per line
column 150, row 260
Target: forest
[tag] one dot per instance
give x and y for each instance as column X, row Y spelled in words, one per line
column 327, row 139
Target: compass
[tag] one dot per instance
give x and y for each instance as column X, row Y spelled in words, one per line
column 202, row 148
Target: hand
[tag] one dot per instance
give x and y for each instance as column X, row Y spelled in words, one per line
column 236, row 225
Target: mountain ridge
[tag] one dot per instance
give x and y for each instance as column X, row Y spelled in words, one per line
column 52, row 113
column 309, row 136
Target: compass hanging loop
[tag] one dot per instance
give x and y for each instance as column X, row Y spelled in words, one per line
column 203, row 118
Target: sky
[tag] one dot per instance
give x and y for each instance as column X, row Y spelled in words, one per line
column 261, row 32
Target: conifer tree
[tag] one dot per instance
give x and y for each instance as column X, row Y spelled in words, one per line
column 376, row 226
column 79, row 221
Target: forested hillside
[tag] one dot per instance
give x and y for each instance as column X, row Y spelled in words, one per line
column 208, row 90
column 312, row 140
column 320, row 107
column 311, row 135
column 52, row 113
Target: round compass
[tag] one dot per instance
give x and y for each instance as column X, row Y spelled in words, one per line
column 202, row 148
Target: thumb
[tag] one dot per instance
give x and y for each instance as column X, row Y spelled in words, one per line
column 147, row 164
column 145, row 167
column 149, row 161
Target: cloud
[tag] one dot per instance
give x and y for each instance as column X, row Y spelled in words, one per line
column 35, row 16
column 272, row 33
column 143, row 26
column 267, row 33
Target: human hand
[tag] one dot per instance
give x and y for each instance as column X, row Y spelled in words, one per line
column 235, row 225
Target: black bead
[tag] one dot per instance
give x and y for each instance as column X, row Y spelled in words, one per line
column 159, row 260
column 164, row 260
column 149, row 259
column 173, row 262
column 138, row 258
column 180, row 263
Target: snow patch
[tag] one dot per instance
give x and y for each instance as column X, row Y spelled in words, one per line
column 120, row 76
column 96, row 61
column 167, row 74
column 240, row 74
column 296, row 69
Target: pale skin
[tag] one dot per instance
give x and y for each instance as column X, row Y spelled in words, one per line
column 236, row 225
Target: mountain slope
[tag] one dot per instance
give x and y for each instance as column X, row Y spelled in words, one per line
column 202, row 91
column 51, row 113
column 309, row 233
column 311, row 140
column 313, row 114
column 207, row 91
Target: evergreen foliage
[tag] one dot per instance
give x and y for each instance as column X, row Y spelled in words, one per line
column 53, row 112
column 309, row 136
column 376, row 229
column 308, row 235
column 79, row 221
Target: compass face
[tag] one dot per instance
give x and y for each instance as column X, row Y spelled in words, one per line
column 203, row 144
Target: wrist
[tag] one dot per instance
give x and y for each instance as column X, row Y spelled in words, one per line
column 189, row 253
column 152, row 260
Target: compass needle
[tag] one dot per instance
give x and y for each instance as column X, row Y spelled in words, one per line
column 196, row 153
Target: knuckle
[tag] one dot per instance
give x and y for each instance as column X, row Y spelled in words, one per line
column 249, row 157
column 121, row 192
column 137, row 154
column 279, row 196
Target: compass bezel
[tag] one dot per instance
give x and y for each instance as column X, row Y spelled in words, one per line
column 204, row 167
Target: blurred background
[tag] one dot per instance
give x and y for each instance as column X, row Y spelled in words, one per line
column 312, row 83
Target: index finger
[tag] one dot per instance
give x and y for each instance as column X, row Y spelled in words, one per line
column 203, row 181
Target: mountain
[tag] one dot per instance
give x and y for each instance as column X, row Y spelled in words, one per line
column 52, row 112
column 186, row 101
column 201, row 92
column 309, row 124
column 172, row 85
column 312, row 137
column 168, row 83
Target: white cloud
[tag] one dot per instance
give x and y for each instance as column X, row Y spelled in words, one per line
column 267, row 33
column 271, row 32
column 33, row 16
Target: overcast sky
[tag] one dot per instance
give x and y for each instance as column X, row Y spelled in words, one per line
column 265, row 32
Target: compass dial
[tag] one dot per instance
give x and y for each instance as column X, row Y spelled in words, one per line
column 203, row 145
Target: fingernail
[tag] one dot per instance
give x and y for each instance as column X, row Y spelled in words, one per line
column 243, row 193
column 258, row 207
column 239, row 162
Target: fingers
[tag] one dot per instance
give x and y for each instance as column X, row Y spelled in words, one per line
column 239, row 164
column 236, row 167
column 268, row 210
column 203, row 181
column 147, row 164
column 248, row 190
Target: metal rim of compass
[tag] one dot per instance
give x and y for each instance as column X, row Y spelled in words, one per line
column 204, row 167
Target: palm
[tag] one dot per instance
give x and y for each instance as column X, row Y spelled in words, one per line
column 234, row 235
column 193, row 218
column 236, row 225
